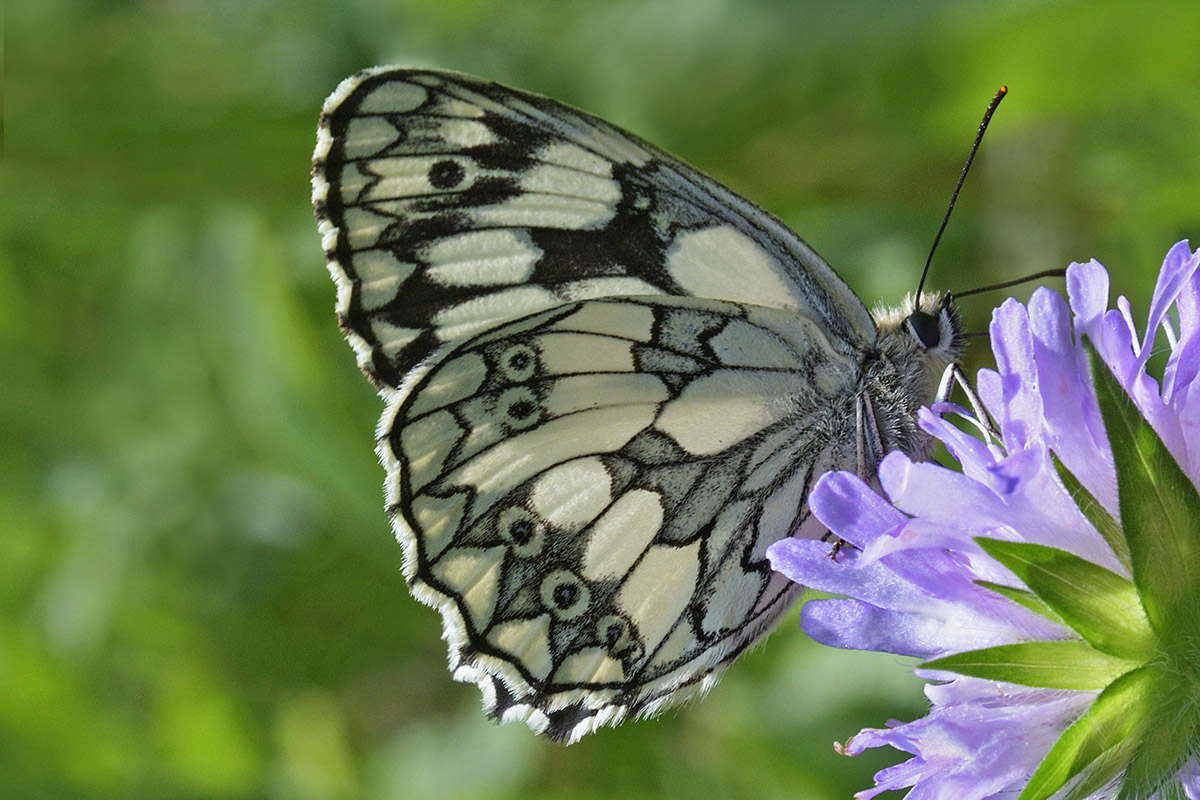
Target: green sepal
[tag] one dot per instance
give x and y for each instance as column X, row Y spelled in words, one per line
column 1173, row 790
column 1101, row 606
column 1022, row 598
column 1168, row 739
column 1095, row 513
column 1124, row 757
column 1160, row 513
column 1108, row 723
column 1103, row 770
column 1067, row 664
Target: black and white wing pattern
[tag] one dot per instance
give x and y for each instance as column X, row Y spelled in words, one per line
column 449, row 205
column 610, row 383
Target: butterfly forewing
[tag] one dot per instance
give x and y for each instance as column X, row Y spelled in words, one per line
column 450, row 205
column 611, row 383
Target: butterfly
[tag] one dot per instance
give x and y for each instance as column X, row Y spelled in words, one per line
column 610, row 383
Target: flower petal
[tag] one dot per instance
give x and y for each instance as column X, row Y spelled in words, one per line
column 1177, row 270
column 957, row 758
column 809, row 562
column 853, row 625
column 1087, row 289
column 1021, row 419
column 1074, row 429
column 916, row 582
column 844, row 503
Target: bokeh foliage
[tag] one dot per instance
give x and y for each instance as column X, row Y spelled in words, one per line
column 199, row 595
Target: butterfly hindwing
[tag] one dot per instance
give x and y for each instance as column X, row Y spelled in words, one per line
column 587, row 495
column 449, row 205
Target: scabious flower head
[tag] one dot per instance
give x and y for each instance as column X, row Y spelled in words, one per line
column 1052, row 587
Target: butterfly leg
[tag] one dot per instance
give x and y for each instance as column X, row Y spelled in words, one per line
column 870, row 453
column 954, row 375
column 866, row 434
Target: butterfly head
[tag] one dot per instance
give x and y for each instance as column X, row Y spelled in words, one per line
column 929, row 332
column 936, row 326
column 915, row 345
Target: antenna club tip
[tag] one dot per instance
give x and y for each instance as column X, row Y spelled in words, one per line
column 1003, row 90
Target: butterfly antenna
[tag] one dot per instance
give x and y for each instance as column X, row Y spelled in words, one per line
column 1037, row 276
column 987, row 117
column 1047, row 273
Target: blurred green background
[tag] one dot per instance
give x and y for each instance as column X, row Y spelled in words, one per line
column 199, row 593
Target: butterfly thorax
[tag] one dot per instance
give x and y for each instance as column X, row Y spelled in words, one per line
column 902, row 372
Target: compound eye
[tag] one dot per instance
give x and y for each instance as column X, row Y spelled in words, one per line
column 925, row 328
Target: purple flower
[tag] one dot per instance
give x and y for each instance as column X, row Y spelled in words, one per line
column 1052, row 587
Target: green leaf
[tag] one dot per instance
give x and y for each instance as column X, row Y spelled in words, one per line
column 1101, row 606
column 1117, row 715
column 1050, row 665
column 1023, row 598
column 1095, row 513
column 1160, row 513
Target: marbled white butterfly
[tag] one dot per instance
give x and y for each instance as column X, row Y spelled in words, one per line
column 610, row 383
